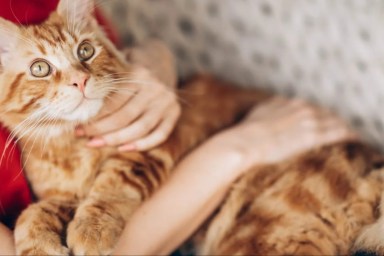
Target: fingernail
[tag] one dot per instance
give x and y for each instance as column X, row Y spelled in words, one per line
column 128, row 147
column 96, row 143
column 79, row 132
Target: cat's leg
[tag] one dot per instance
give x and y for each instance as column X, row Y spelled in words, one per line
column 100, row 219
column 40, row 228
column 98, row 225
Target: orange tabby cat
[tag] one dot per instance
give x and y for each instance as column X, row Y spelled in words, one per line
column 317, row 203
column 57, row 75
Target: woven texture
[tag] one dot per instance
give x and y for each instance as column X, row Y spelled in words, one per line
column 330, row 52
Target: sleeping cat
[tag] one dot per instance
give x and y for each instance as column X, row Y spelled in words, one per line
column 316, row 203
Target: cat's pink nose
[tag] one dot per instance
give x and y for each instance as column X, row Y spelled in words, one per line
column 80, row 81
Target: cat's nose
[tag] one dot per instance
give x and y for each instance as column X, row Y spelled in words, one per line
column 80, row 81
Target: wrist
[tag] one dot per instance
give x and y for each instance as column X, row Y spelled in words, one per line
column 235, row 159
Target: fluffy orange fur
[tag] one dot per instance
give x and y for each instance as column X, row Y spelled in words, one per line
column 89, row 194
column 315, row 204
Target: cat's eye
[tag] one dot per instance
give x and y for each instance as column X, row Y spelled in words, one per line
column 85, row 51
column 40, row 69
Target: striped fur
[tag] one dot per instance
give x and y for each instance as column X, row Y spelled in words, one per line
column 315, row 204
column 85, row 196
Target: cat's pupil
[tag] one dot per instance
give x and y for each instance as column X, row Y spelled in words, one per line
column 40, row 69
column 85, row 51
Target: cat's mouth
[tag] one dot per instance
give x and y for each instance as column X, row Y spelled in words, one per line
column 79, row 104
column 85, row 109
column 85, row 102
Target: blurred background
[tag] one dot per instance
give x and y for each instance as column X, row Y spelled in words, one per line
column 328, row 51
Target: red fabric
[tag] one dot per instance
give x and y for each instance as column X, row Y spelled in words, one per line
column 14, row 190
column 27, row 11
column 35, row 11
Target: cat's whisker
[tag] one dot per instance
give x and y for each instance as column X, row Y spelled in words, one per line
column 109, row 92
column 130, row 82
column 120, row 73
column 17, row 19
column 32, row 127
column 18, row 36
column 34, row 134
column 117, row 89
column 13, row 148
column 123, row 80
column 32, row 123
column 44, row 130
column 15, row 132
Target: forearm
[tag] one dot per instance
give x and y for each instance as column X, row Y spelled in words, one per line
column 197, row 187
column 156, row 57
column 6, row 241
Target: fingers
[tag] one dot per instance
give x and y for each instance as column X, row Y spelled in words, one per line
column 115, row 102
column 148, row 130
column 139, row 128
column 140, row 116
column 325, row 128
column 156, row 137
column 279, row 107
column 334, row 129
column 130, row 111
column 270, row 105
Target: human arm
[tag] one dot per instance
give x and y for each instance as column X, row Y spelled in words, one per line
column 144, row 119
column 7, row 246
column 199, row 183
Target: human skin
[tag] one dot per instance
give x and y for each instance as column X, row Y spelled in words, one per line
column 203, row 178
column 262, row 134
column 6, row 241
column 145, row 118
column 269, row 134
column 158, row 70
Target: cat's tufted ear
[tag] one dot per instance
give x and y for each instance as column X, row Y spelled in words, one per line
column 79, row 12
column 9, row 32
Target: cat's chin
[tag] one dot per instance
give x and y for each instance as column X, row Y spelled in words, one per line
column 85, row 112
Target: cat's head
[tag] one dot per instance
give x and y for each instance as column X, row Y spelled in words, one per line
column 57, row 71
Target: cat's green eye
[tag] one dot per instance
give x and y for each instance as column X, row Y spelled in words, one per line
column 40, row 69
column 85, row 51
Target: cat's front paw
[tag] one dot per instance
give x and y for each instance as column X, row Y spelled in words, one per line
column 36, row 241
column 89, row 237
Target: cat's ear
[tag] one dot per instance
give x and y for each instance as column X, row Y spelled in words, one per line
column 77, row 11
column 9, row 32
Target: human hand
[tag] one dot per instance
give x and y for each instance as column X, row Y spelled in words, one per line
column 282, row 128
column 139, row 117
